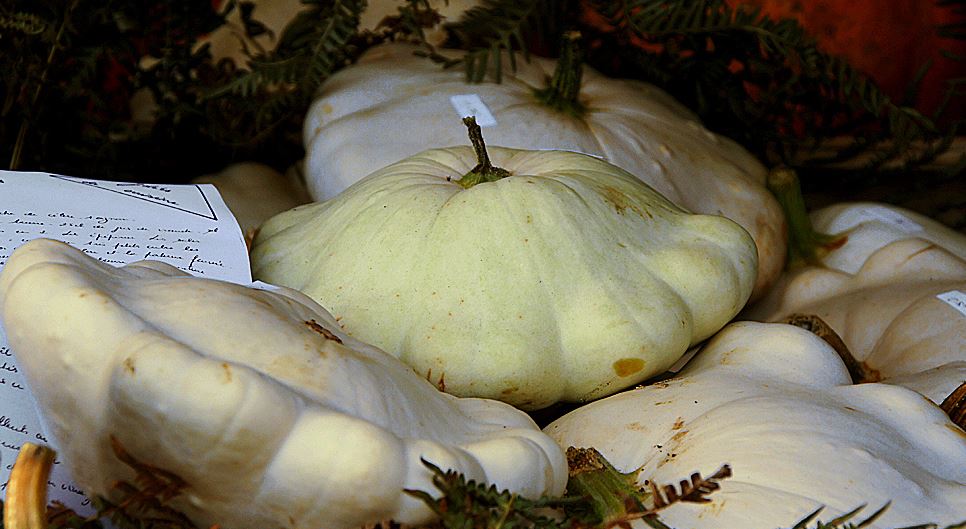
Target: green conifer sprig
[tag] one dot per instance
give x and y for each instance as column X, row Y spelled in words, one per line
column 494, row 27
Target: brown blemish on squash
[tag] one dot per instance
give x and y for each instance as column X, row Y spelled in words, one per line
column 626, row 367
column 129, row 365
column 227, row 369
column 440, row 384
column 678, row 424
column 509, row 390
column 678, row 436
column 927, row 248
column 327, row 334
column 617, row 199
column 637, row 427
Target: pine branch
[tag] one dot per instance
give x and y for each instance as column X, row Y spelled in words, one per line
column 764, row 82
column 488, row 30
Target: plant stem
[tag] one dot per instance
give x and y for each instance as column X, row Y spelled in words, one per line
column 484, row 170
column 805, row 245
column 955, row 406
column 563, row 92
column 611, row 495
column 859, row 371
column 26, row 502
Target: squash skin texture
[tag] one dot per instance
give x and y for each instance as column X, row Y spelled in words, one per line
column 776, row 403
column 270, row 422
column 391, row 105
column 569, row 280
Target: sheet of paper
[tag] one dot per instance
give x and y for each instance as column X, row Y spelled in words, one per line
column 188, row 226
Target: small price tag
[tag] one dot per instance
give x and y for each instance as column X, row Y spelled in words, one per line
column 884, row 215
column 955, row 299
column 472, row 105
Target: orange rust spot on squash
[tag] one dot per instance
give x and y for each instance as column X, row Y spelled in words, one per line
column 327, row 334
column 678, row 436
column 678, row 424
column 626, row 367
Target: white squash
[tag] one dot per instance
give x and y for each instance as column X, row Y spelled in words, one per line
column 891, row 312
column 567, row 280
column 776, row 403
column 868, row 226
column 272, row 415
column 392, row 104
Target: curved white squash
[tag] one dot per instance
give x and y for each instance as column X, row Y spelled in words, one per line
column 776, row 403
column 272, row 415
column 868, row 226
column 891, row 312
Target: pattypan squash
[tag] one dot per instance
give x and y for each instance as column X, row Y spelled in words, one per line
column 860, row 228
column 892, row 285
column 271, row 414
column 775, row 402
column 565, row 279
column 393, row 104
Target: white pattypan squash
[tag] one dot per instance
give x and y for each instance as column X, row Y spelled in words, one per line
column 255, row 192
column 775, row 403
column 567, row 280
column 864, row 227
column 901, row 313
column 392, row 104
column 272, row 415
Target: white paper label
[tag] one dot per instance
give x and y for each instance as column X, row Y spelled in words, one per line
column 955, row 299
column 884, row 215
column 472, row 105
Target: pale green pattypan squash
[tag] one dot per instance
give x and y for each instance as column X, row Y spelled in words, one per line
column 568, row 280
column 392, row 104
column 272, row 415
column 775, row 402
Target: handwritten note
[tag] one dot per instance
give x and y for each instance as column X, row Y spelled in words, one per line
column 187, row 226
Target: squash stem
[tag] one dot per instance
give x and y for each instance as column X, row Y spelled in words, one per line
column 859, row 371
column 955, row 406
column 805, row 245
column 612, row 496
column 26, row 501
column 484, row 170
column 563, row 92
